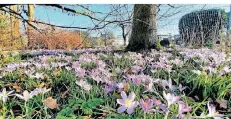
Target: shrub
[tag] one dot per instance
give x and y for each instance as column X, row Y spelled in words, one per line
column 55, row 39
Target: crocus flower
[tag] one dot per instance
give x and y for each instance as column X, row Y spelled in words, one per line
column 168, row 84
column 43, row 59
column 26, row 95
column 171, row 98
column 68, row 68
column 136, row 81
column 109, row 88
column 159, row 104
column 80, row 72
column 68, row 58
column 155, row 101
column 183, row 107
column 127, row 103
column 147, row 105
column 40, row 90
column 148, row 88
column 83, row 84
column 181, row 88
column 213, row 113
column 225, row 70
column 37, row 76
column 4, row 95
column 120, row 86
column 198, row 72
column 76, row 65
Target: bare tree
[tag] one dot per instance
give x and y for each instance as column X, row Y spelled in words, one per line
column 124, row 13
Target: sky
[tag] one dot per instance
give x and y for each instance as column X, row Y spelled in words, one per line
column 168, row 24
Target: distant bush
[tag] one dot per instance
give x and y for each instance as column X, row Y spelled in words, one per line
column 10, row 38
column 55, row 39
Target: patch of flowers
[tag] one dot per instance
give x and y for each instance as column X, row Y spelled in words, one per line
column 98, row 83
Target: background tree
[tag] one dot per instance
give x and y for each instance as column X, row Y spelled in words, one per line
column 144, row 27
column 124, row 14
column 29, row 28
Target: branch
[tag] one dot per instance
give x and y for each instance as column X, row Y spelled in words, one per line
column 20, row 17
column 171, row 6
column 71, row 10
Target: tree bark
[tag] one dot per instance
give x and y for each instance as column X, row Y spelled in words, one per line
column 144, row 27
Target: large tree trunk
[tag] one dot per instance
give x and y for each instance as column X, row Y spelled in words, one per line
column 144, row 27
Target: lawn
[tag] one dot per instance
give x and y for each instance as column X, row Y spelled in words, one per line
column 105, row 83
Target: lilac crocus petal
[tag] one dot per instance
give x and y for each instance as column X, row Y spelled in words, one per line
column 183, row 107
column 164, row 107
column 130, row 110
column 120, row 101
column 131, row 96
column 123, row 95
column 146, row 105
column 181, row 88
column 155, row 101
column 121, row 109
column 175, row 117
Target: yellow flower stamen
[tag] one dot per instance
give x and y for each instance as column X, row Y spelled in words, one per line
column 216, row 113
column 128, row 102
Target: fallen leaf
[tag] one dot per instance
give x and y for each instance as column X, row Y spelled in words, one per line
column 86, row 117
column 50, row 103
column 126, row 87
column 17, row 87
column 223, row 103
column 58, row 72
column 41, row 85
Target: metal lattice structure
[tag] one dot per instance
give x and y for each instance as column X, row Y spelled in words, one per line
column 202, row 26
column 169, row 19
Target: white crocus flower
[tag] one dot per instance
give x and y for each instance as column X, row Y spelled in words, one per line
column 4, row 95
column 171, row 98
column 40, row 90
column 26, row 95
column 213, row 113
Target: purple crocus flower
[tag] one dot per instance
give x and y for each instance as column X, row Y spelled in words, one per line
column 120, row 86
column 76, row 65
column 127, row 103
column 136, row 81
column 183, row 107
column 168, row 84
column 147, row 105
column 43, row 59
column 109, row 88
column 80, row 72
column 161, row 105
column 68, row 58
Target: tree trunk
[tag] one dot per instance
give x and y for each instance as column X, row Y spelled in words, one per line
column 144, row 27
column 12, row 22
